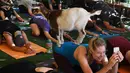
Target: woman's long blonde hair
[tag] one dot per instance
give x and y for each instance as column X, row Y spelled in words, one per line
column 94, row 43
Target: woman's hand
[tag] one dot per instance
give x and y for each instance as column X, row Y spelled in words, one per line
column 122, row 29
column 28, row 45
column 20, row 19
column 103, row 32
column 113, row 60
column 96, row 35
column 121, row 57
column 29, row 49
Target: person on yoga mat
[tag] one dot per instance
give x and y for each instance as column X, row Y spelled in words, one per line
column 109, row 17
column 89, row 58
column 15, row 38
column 39, row 25
column 7, row 11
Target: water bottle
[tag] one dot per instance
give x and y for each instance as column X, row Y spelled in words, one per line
column 49, row 46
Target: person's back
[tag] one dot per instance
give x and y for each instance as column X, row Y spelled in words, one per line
column 6, row 25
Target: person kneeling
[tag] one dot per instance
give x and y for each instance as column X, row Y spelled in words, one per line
column 15, row 38
column 87, row 57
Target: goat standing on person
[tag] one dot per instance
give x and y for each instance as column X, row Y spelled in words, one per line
column 68, row 20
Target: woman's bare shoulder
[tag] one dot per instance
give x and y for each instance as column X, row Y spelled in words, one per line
column 81, row 50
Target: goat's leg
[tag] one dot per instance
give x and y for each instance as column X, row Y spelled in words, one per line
column 58, row 38
column 62, row 38
column 81, row 36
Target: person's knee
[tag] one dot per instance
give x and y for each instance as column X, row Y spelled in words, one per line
column 127, row 56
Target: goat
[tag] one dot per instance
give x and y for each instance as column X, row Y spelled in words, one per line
column 70, row 19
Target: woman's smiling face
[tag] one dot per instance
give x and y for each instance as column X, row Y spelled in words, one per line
column 99, row 53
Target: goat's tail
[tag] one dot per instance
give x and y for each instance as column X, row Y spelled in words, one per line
column 96, row 12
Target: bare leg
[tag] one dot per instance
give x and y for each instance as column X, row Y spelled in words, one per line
column 35, row 29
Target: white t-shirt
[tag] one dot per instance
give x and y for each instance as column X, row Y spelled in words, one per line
column 26, row 3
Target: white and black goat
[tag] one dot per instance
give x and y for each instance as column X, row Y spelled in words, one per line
column 70, row 19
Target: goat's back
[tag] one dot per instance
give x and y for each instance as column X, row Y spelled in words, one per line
column 71, row 17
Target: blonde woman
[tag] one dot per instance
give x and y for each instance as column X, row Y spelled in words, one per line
column 88, row 58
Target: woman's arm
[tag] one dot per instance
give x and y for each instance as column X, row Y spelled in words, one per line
column 80, row 55
column 91, row 33
column 99, row 29
column 18, row 16
column 30, row 12
column 109, row 27
column 47, row 34
column 69, row 37
column 25, row 37
column 27, row 43
column 112, row 64
column 83, row 61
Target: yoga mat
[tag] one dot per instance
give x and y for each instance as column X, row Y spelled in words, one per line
column 104, row 35
column 19, row 55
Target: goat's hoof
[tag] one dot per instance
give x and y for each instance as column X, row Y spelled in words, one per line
column 59, row 45
column 62, row 42
column 77, row 43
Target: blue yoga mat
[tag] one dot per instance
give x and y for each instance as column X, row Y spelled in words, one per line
column 104, row 35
